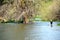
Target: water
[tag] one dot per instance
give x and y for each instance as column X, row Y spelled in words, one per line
column 34, row 31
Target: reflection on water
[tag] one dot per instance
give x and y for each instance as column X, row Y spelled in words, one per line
column 36, row 31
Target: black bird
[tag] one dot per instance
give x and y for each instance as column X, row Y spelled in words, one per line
column 51, row 22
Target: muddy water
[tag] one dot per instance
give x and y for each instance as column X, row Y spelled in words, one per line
column 34, row 31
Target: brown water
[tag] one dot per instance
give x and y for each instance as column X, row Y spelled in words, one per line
column 35, row 31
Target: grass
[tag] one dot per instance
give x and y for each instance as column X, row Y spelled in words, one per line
column 58, row 24
column 12, row 21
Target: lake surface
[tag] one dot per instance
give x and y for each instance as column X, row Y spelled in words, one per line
column 34, row 31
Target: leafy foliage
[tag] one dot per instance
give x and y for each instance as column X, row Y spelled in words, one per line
column 17, row 9
column 49, row 9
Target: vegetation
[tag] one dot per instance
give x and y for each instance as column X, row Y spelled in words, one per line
column 16, row 10
column 25, row 10
column 49, row 10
